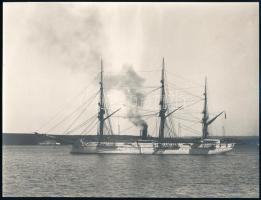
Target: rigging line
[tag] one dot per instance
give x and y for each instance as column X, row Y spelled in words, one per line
column 156, row 127
column 194, row 134
column 152, row 91
column 190, row 111
column 151, row 115
column 182, row 114
column 171, row 128
column 191, row 129
column 187, row 92
column 191, row 117
column 171, row 124
column 192, row 103
column 186, row 88
column 107, row 108
column 107, row 129
column 168, row 129
column 66, row 105
column 176, row 87
column 91, row 122
column 79, row 115
column 170, row 132
column 89, row 128
column 70, row 126
column 170, row 121
column 110, row 130
column 191, row 125
column 128, row 128
column 146, row 110
column 133, row 107
column 184, row 78
column 154, row 130
column 117, row 87
column 66, row 117
column 152, row 70
column 149, row 112
column 126, row 117
column 181, row 101
column 187, row 119
column 109, row 119
column 116, row 104
column 148, row 117
column 82, row 124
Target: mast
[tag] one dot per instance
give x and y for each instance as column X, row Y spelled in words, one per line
column 205, row 114
column 179, row 130
column 205, row 121
column 101, row 107
column 162, row 105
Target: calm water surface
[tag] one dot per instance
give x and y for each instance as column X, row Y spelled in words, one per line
column 52, row 171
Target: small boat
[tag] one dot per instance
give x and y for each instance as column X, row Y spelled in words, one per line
column 49, row 143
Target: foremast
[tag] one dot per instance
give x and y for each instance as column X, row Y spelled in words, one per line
column 101, row 113
column 101, row 107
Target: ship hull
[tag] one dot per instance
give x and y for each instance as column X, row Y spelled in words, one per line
column 152, row 148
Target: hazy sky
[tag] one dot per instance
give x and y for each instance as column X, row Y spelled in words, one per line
column 52, row 50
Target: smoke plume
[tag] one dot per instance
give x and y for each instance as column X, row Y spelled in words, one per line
column 130, row 83
column 70, row 35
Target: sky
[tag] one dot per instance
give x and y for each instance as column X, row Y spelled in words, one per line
column 51, row 51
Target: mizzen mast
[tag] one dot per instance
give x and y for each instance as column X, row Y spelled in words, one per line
column 205, row 113
column 205, row 121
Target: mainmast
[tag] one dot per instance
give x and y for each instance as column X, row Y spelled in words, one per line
column 162, row 105
column 101, row 107
column 205, row 113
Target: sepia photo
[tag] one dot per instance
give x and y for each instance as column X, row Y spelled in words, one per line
column 106, row 99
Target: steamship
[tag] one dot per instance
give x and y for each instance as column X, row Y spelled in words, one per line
column 145, row 145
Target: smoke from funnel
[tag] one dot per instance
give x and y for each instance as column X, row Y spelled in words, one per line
column 72, row 36
column 130, row 83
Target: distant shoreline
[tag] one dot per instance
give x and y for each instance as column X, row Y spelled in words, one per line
column 34, row 139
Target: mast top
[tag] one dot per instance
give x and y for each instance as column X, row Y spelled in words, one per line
column 205, row 90
column 101, row 65
column 163, row 64
column 163, row 71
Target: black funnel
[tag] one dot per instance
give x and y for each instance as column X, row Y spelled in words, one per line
column 144, row 131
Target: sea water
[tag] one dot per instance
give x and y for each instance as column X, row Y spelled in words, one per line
column 51, row 171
